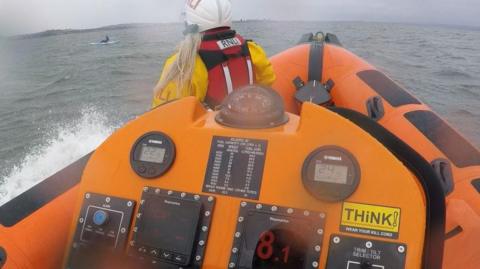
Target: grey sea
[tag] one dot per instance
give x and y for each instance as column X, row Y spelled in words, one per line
column 61, row 96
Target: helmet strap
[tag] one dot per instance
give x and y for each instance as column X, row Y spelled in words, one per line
column 191, row 29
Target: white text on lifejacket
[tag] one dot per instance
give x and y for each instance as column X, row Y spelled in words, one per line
column 228, row 43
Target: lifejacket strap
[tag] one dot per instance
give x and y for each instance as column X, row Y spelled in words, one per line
column 228, row 78
column 219, row 36
column 250, row 70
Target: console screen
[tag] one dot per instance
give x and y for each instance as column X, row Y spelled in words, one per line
column 172, row 228
column 169, row 223
column 331, row 173
column 152, row 154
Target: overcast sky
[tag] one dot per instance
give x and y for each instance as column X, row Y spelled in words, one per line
column 27, row 16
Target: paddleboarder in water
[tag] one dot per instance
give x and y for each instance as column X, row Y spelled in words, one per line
column 105, row 40
column 212, row 60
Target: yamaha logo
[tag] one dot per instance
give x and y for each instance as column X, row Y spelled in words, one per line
column 332, row 158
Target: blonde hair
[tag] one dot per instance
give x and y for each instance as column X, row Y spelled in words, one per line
column 181, row 70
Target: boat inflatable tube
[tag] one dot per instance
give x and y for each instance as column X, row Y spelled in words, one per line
column 361, row 87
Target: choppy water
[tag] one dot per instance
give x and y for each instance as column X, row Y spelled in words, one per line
column 60, row 97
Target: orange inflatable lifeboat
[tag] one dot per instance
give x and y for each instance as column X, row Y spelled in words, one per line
column 341, row 168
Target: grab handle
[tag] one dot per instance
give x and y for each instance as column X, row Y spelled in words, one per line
column 443, row 170
column 375, row 108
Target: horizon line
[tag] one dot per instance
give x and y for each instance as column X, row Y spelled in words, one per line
column 71, row 30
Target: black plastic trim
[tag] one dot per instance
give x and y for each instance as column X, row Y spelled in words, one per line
column 43, row 193
column 332, row 39
column 306, row 38
column 435, row 198
column 329, row 38
column 456, row 148
column 3, row 257
column 454, row 232
column 476, row 184
column 315, row 61
column 385, row 87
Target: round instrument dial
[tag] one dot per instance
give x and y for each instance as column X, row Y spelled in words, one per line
column 152, row 155
column 331, row 174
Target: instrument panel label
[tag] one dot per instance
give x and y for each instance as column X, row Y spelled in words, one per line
column 371, row 220
column 357, row 253
column 235, row 167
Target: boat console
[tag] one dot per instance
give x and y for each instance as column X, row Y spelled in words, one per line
column 249, row 186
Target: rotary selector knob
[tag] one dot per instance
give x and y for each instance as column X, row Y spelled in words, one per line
column 100, row 217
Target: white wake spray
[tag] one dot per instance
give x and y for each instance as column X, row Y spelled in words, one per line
column 66, row 144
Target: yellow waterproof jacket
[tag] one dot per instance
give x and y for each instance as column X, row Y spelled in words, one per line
column 264, row 75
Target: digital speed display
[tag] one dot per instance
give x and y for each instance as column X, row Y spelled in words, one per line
column 279, row 248
column 152, row 154
column 331, row 173
column 274, row 237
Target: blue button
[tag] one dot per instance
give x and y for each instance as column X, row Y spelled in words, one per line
column 100, row 217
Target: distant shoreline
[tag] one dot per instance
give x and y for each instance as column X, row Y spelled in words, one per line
column 55, row 32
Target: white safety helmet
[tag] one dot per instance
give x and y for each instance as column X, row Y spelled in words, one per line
column 208, row 14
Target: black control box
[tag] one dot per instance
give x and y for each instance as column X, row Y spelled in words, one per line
column 358, row 253
column 171, row 228
column 275, row 237
column 102, row 230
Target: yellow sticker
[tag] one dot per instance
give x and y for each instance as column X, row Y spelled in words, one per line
column 373, row 220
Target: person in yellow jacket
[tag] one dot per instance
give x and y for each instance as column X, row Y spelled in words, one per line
column 212, row 60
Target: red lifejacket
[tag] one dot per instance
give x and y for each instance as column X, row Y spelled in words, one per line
column 227, row 58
